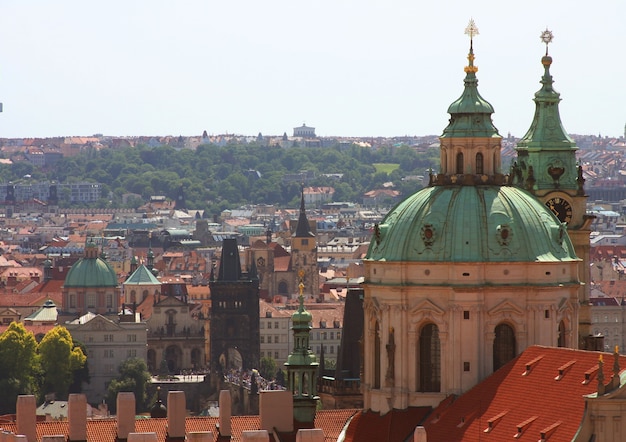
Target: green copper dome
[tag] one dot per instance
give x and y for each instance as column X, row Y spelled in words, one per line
column 91, row 272
column 471, row 224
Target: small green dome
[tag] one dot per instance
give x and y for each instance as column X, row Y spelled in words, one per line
column 303, row 318
column 91, row 272
column 471, row 224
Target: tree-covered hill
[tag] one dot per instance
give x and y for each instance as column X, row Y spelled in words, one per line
column 218, row 177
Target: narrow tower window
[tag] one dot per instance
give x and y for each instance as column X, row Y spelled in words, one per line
column 376, row 356
column 479, row 163
column 503, row 345
column 429, row 359
column 459, row 163
column 561, row 338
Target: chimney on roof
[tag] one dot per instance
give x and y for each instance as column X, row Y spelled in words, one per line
column 200, row 436
column 142, row 437
column 77, row 417
column 255, row 436
column 125, row 414
column 310, row 435
column 276, row 410
column 27, row 416
column 419, row 435
column 175, row 416
column 225, row 405
column 57, row 438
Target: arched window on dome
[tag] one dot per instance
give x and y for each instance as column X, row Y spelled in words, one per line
column 459, row 163
column 479, row 164
column 429, row 359
column 504, row 346
column 561, row 338
column 133, row 296
column 144, row 295
column 376, row 361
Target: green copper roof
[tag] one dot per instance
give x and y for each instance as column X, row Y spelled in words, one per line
column 91, row 272
column 470, row 114
column 470, row 224
column 48, row 312
column 546, row 131
column 142, row 276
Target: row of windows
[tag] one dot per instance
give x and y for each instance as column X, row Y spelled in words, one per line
column 327, row 335
column 230, row 304
column 605, row 318
column 269, row 339
column 111, row 338
column 90, row 300
column 276, row 324
column 428, row 354
column 479, row 164
column 130, row 353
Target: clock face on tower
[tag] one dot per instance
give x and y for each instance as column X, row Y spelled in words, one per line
column 561, row 208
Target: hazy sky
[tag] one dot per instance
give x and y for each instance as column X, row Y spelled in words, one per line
column 345, row 67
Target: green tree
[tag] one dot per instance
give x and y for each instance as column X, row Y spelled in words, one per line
column 134, row 377
column 81, row 374
column 18, row 365
column 268, row 367
column 59, row 359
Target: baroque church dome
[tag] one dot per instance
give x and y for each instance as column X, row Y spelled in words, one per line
column 454, row 223
column 470, row 212
column 91, row 271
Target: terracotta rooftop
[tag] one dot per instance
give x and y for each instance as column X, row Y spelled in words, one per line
column 397, row 425
column 105, row 430
column 539, row 391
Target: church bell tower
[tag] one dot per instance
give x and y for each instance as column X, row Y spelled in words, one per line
column 547, row 167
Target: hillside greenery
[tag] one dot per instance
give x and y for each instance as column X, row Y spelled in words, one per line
column 218, row 177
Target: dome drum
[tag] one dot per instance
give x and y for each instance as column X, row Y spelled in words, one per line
column 472, row 274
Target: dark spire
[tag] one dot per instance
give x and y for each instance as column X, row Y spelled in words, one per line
column 230, row 266
column 253, row 273
column 150, row 260
column 303, row 230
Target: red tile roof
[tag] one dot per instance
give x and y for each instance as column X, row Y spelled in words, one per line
column 546, row 397
column 397, row 425
column 105, row 430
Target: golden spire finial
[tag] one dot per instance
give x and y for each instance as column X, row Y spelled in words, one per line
column 547, row 36
column 471, row 30
column 301, row 285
